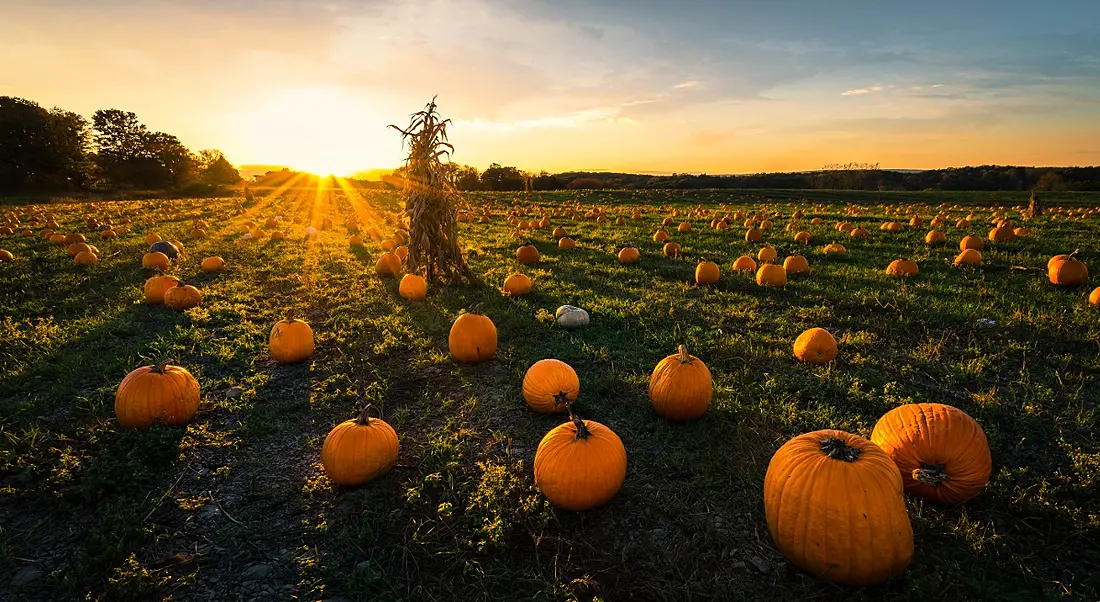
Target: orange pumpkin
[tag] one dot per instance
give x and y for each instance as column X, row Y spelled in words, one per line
column 628, row 255
column 660, row 235
column 803, row 237
column 1066, row 271
column 753, row 235
column 971, row 242
column 212, row 264
column 834, row 506
column 473, row 338
column 671, row 249
column 413, row 287
column 388, row 264
column 151, row 393
column 834, row 248
column 360, row 450
column 516, row 285
column 770, row 274
column 156, row 286
column 815, row 346
column 180, row 298
column 1002, row 234
column 290, row 341
column 566, row 243
column 766, row 255
column 1094, row 297
column 680, row 387
column 550, row 385
column 941, row 452
column 796, row 264
column 580, row 464
column 744, row 263
column 706, row 272
column 902, row 267
column 155, row 260
column 969, row 257
column 86, row 258
column 935, row 237
column 6, row 256
column 527, row 253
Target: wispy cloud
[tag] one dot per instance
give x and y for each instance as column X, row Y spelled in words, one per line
column 859, row 91
column 691, row 83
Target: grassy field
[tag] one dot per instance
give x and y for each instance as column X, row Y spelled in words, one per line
column 235, row 506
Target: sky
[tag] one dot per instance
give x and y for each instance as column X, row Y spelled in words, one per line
column 621, row 85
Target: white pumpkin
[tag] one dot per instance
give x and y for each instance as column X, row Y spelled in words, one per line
column 569, row 316
column 247, row 236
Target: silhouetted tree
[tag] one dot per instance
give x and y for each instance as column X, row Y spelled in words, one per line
column 40, row 148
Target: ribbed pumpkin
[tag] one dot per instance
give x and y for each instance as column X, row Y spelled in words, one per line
column 180, row 298
column 902, row 267
column 527, row 253
column 580, row 464
column 628, row 255
column 413, row 287
column 151, row 393
column 803, row 237
column 473, row 338
column 1002, row 234
column 516, row 285
column 156, row 286
column 550, row 385
column 360, row 450
column 859, row 233
column 680, row 387
column 707, row 272
column 766, row 255
column 86, row 258
column 290, row 341
column 744, row 263
column 660, row 235
column 388, row 264
column 834, row 507
column 941, row 452
column 815, row 346
column 796, row 264
column 770, row 274
column 1066, row 271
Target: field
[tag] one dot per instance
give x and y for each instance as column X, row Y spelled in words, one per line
column 235, row 506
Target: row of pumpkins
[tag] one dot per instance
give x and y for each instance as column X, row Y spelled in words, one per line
column 859, row 534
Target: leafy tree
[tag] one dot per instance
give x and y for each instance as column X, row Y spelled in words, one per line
column 215, row 169
column 497, row 177
column 40, row 148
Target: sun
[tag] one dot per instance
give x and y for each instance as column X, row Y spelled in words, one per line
column 322, row 130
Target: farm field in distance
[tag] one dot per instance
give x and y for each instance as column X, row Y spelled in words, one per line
column 236, row 506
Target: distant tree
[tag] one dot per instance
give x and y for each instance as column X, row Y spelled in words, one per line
column 176, row 165
column 464, row 177
column 214, row 168
column 120, row 142
column 585, row 184
column 1052, row 181
column 497, row 177
column 40, row 148
column 545, row 181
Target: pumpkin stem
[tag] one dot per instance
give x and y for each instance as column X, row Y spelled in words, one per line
column 364, row 416
column 581, row 429
column 684, row 357
column 562, row 398
column 476, row 309
column 161, row 366
column 838, row 450
column 931, row 474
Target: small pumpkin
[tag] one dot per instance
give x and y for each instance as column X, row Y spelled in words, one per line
column 815, row 346
column 1094, row 296
column 941, row 452
column 902, row 267
column 935, row 237
column 1002, row 234
column 550, row 385
column 473, row 338
column 413, row 287
column 527, row 253
column 706, row 272
column 753, row 235
column 182, row 297
column 569, row 316
column 834, row 507
column 971, row 242
column 671, row 249
column 680, row 387
column 360, row 450
column 517, row 285
column 796, row 264
column 6, row 256
column 156, row 286
column 770, row 274
column 151, row 393
column 86, row 258
column 859, row 233
column 767, row 254
column 660, row 235
column 970, row 257
column 565, row 243
column 835, row 249
column 388, row 264
column 212, row 264
column 355, row 240
column 580, row 465
column 684, row 227
column 155, row 260
column 803, row 237
column 744, row 263
column 628, row 255
column 560, row 232
column 290, row 341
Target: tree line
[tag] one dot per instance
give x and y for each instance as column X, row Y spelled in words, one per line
column 59, row 150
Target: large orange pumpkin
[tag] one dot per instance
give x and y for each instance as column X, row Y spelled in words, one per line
column 902, row 267
column 516, row 285
column 628, row 255
column 360, row 450
column 770, row 274
column 969, row 257
column 971, row 242
column 156, row 286
column 935, row 237
column 796, row 264
column 680, row 387
column 550, row 385
column 766, row 254
column 473, row 338
column 744, row 263
column 1066, row 271
column 1094, row 296
column 413, row 287
column 706, row 272
column 566, row 243
column 151, row 393
column 580, row 464
column 212, row 264
column 155, row 260
column 941, row 452
column 671, row 249
column 290, row 341
column 388, row 264
column 834, row 506
column 527, row 253
column 815, row 346
column 1001, row 234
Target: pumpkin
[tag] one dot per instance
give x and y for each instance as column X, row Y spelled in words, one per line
column 169, row 249
column 516, row 285
column 57, row 239
column 628, row 255
column 360, row 450
column 550, row 385
column 803, row 237
column 902, row 267
column 815, row 221
column 766, row 255
column 109, row 234
column 1094, row 296
column 834, row 248
column 527, row 253
column 971, row 242
column 815, row 346
column 859, row 233
column 962, row 224
column 1002, row 234
column 580, row 464
column 1022, row 232
column 684, row 227
column 680, row 387
column 75, row 237
column 182, row 297
column 212, row 264
column 76, row 248
column 660, row 235
column 6, row 256
column 770, row 274
column 834, row 506
column 753, row 235
column 744, row 263
column 796, row 264
column 388, row 264
column 568, row 316
column 86, row 258
column 156, row 261
column 566, row 243
column 355, row 240
column 560, row 232
column 671, row 249
column 413, row 287
column 156, row 286
column 151, row 393
column 935, row 237
column 290, row 341
column 706, row 272
column 916, row 222
column 969, row 257
column 473, row 338
column 389, row 245
column 941, row 452
column 1066, row 271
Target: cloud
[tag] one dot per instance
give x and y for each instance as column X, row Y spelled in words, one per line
column 859, row 91
column 688, row 84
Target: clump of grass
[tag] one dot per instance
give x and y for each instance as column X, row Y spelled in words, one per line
column 430, row 199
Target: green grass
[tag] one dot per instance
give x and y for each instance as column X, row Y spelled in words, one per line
column 236, row 506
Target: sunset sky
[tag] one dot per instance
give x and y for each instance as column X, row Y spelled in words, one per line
column 625, row 85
